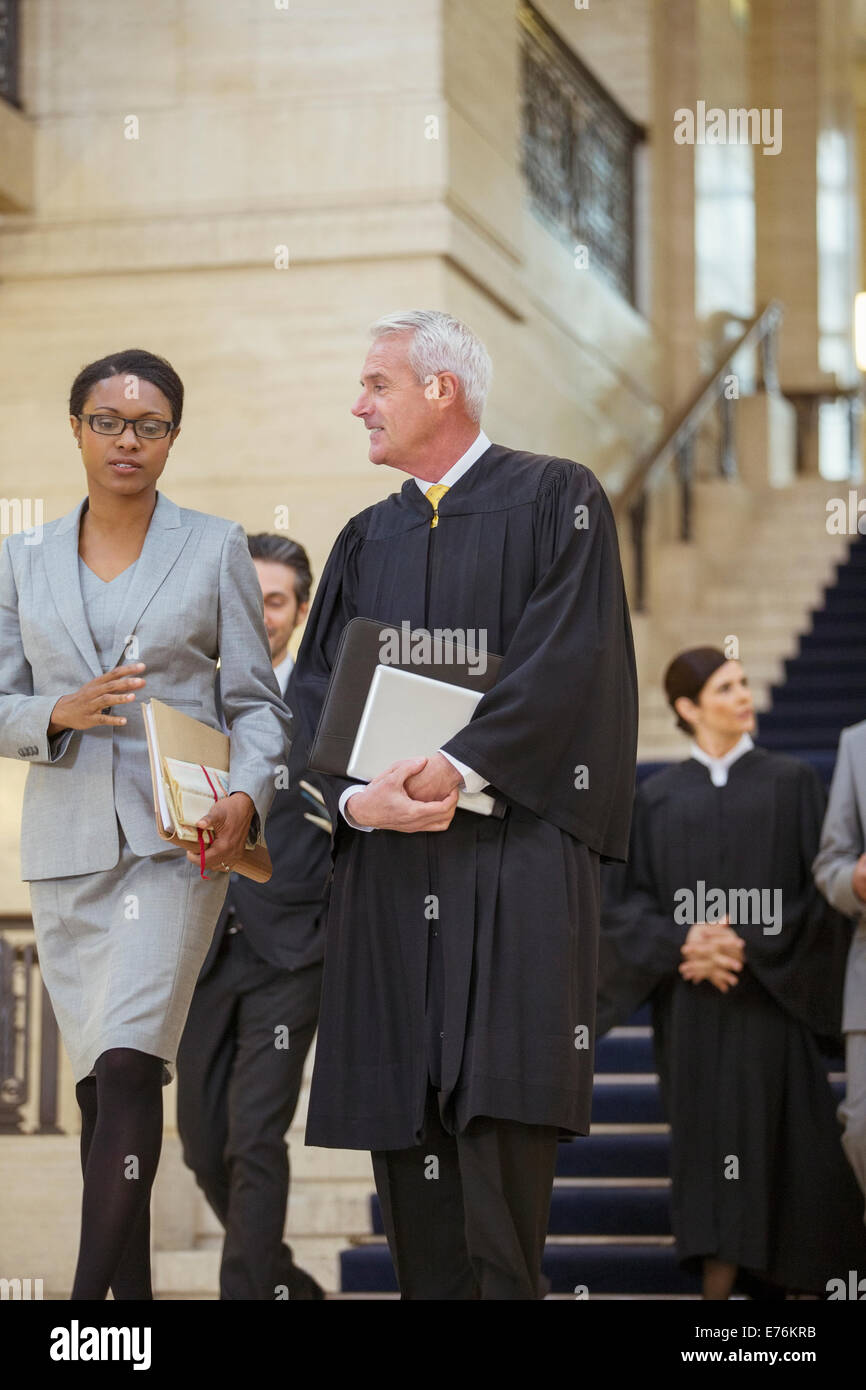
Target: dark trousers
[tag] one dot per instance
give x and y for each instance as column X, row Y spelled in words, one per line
column 237, row 1093
column 466, row 1215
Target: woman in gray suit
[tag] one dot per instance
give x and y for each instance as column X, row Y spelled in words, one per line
column 127, row 596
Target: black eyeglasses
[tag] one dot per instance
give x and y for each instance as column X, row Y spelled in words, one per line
column 115, row 424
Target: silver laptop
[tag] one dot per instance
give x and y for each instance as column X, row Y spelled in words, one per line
column 411, row 716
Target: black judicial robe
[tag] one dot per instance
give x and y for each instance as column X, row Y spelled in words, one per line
column 494, row 998
column 742, row 1073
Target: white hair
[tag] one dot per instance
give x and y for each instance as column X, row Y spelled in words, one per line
column 441, row 343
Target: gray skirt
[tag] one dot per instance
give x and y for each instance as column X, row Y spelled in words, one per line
column 120, row 951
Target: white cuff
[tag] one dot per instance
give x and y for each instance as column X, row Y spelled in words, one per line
column 350, row 791
column 472, row 781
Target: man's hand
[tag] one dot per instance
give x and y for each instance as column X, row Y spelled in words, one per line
column 230, row 821
column 384, row 803
column 435, row 781
column 858, row 882
column 712, row 951
column 83, row 709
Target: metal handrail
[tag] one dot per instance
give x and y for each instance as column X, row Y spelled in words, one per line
column 678, row 443
column 20, row 978
column 759, row 332
column 9, row 52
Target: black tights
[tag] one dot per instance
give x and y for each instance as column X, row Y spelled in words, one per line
column 121, row 1136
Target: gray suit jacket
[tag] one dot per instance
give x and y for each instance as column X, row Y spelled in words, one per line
column 194, row 597
column 842, row 843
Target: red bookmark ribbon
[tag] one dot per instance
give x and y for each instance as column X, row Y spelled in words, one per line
column 201, row 833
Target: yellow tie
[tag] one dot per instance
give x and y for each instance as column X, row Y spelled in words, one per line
column 435, row 495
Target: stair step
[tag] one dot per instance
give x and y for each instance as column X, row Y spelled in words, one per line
column 838, row 627
column 827, row 661
column 618, row 1155
column 628, row 1267
column 635, row 1102
column 848, row 594
column 324, row 1207
column 594, row 1211
column 195, row 1273
column 633, row 1267
column 817, row 685
column 621, row 1052
column 823, row 741
column 849, row 647
column 837, row 712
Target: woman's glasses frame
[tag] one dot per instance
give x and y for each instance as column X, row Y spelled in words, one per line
column 159, row 428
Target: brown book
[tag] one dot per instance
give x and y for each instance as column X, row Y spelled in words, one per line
column 190, row 744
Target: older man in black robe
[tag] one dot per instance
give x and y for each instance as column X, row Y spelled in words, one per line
column 458, row 1009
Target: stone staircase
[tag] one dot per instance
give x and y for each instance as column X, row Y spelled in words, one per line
column 761, row 574
column 609, row 1233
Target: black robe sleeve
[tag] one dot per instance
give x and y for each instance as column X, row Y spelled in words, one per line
column 333, row 607
column 640, row 942
column 558, row 732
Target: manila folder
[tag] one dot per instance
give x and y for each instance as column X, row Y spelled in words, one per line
column 172, row 734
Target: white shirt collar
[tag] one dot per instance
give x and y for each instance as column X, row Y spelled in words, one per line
column 719, row 766
column 463, row 464
column 283, row 671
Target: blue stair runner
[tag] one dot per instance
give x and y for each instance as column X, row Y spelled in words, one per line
column 610, row 1222
column 611, row 1187
column 825, row 683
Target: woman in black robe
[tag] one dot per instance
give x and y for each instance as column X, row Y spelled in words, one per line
column 746, row 992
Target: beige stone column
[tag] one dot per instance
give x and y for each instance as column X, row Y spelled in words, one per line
column 784, row 64
column 675, row 60
column 799, row 53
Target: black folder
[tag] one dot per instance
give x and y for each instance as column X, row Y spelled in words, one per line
column 359, row 653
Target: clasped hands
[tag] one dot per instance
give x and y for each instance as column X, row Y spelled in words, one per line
column 412, row 795
column 712, row 951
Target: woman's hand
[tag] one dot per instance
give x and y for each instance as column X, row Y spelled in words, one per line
column 712, row 951
column 84, row 709
column 230, row 822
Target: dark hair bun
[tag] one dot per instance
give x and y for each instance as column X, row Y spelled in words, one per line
column 687, row 675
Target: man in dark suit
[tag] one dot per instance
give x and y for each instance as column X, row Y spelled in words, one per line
column 256, row 1004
